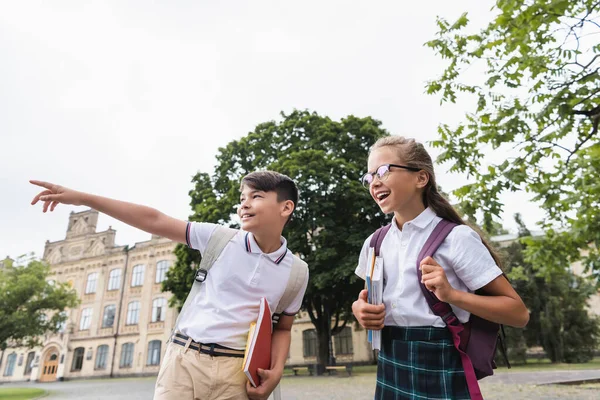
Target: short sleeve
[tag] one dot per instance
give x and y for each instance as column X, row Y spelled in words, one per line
column 472, row 261
column 197, row 235
column 361, row 269
column 297, row 302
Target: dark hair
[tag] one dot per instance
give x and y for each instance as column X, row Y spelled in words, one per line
column 415, row 155
column 271, row 181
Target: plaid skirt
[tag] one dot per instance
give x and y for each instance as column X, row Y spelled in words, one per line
column 419, row 363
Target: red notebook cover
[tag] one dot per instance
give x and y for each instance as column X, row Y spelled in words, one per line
column 258, row 347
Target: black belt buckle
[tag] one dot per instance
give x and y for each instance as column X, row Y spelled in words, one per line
column 201, row 275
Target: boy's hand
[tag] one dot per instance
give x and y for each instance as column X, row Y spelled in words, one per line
column 435, row 280
column 368, row 315
column 55, row 194
column 269, row 379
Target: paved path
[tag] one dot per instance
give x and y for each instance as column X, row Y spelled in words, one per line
column 503, row 386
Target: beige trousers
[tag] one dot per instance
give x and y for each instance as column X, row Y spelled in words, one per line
column 186, row 374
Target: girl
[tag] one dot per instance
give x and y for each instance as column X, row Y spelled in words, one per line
column 418, row 359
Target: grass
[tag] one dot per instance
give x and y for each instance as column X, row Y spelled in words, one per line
column 531, row 366
column 20, row 393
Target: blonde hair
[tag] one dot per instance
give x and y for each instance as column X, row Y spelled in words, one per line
column 414, row 154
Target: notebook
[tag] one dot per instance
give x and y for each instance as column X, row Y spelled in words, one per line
column 258, row 346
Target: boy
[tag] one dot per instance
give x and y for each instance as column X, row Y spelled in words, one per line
column 204, row 357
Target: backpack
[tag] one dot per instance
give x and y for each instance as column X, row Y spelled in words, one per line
column 217, row 242
column 475, row 340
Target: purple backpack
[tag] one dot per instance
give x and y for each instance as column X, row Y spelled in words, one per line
column 476, row 340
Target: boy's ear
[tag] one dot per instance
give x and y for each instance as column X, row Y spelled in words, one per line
column 287, row 208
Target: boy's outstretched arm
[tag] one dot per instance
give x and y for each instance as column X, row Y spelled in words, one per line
column 145, row 218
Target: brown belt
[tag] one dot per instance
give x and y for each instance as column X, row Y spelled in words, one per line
column 212, row 349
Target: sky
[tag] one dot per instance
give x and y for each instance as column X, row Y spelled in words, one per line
column 130, row 99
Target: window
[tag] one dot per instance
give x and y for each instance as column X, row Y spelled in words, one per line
column 159, row 308
column 77, row 359
column 62, row 326
column 108, row 319
column 153, row 353
column 114, row 279
column 29, row 363
column 10, row 364
column 86, row 319
column 133, row 313
column 161, row 271
column 309, row 343
column 90, row 286
column 101, row 356
column 343, row 341
column 137, row 277
column 20, row 360
column 126, row 355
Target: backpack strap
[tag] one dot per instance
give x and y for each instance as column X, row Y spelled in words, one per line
column 442, row 309
column 377, row 238
column 294, row 285
column 216, row 243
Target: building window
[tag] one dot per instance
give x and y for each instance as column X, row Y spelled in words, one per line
column 309, row 343
column 109, row 316
column 159, row 308
column 90, row 286
column 126, row 355
column 20, row 360
column 153, row 353
column 10, row 364
column 343, row 341
column 77, row 359
column 133, row 313
column 62, row 326
column 86, row 319
column 101, row 356
column 29, row 363
column 137, row 277
column 114, row 279
column 161, row 271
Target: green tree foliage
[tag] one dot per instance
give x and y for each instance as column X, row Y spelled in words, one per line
column 560, row 321
column 537, row 103
column 30, row 305
column 334, row 216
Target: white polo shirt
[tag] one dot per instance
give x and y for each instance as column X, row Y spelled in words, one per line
column 466, row 261
column 228, row 300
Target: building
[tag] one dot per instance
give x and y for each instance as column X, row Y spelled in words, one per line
column 123, row 323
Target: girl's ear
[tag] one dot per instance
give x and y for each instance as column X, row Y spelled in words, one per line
column 422, row 179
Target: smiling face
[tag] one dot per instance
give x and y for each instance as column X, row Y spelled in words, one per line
column 400, row 189
column 260, row 210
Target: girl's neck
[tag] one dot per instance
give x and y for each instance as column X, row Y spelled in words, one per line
column 408, row 213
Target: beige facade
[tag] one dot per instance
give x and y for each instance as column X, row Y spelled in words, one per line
column 122, row 324
column 109, row 277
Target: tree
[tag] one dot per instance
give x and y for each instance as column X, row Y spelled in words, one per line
column 539, row 104
column 559, row 317
column 30, row 305
column 334, row 216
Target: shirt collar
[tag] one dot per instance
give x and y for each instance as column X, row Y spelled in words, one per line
column 421, row 221
column 252, row 247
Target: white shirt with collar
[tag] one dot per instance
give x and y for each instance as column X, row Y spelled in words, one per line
column 228, row 300
column 466, row 261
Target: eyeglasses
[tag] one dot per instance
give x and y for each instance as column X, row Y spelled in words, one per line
column 382, row 173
